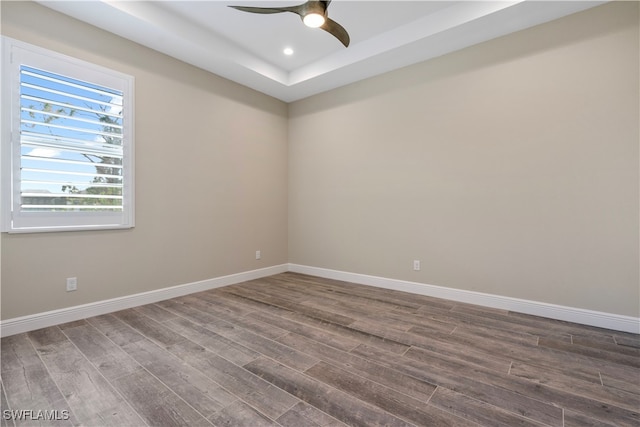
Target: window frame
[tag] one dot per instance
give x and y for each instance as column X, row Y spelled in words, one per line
column 15, row 54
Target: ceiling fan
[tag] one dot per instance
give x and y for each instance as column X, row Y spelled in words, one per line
column 313, row 14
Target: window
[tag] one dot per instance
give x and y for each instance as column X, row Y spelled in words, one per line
column 67, row 143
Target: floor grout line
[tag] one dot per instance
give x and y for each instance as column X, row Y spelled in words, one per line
column 432, row 394
column 600, row 375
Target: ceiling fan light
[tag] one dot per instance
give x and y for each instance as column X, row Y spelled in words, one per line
column 313, row 20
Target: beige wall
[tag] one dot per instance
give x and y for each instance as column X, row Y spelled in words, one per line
column 210, row 188
column 509, row 168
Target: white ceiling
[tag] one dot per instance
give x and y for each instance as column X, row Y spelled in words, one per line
column 248, row 48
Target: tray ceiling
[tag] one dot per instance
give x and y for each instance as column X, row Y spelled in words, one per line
column 248, row 48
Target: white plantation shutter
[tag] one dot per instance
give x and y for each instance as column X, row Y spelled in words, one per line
column 71, row 143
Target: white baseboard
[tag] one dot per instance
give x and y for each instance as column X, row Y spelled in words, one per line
column 56, row 317
column 570, row 314
column 586, row 317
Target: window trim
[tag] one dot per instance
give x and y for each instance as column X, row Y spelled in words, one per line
column 14, row 54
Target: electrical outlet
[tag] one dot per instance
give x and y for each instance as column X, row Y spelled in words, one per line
column 258, row 255
column 72, row 284
column 416, row 265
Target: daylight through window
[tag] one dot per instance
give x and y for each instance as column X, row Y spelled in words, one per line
column 71, row 145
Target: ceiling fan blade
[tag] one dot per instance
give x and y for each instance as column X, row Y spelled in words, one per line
column 337, row 31
column 305, row 9
column 294, row 9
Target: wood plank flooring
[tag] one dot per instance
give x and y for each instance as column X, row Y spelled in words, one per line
column 294, row 351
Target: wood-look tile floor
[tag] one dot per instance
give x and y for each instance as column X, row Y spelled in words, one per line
column 295, row 350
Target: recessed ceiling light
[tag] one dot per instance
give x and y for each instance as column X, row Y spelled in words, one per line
column 288, row 51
